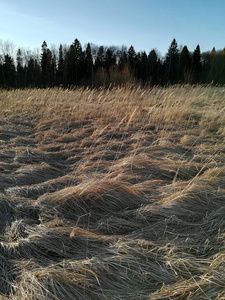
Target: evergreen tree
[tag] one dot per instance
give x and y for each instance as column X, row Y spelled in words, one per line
column 222, row 66
column 30, row 73
column 89, row 65
column 60, row 70
column 185, row 65
column 110, row 62
column 143, row 68
column 100, row 59
column 53, row 70
column 172, row 63
column 75, row 63
column 37, row 73
column 9, row 72
column 1, row 72
column 79, row 61
column 206, row 67
column 110, row 58
column 20, row 71
column 123, row 61
column 196, row 65
column 46, row 65
column 217, row 64
column 99, row 68
column 153, row 67
column 132, row 58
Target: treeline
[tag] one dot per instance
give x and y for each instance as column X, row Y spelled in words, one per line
column 95, row 66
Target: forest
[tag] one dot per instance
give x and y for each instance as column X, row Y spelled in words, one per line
column 95, row 66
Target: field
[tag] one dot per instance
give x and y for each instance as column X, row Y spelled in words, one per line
column 112, row 193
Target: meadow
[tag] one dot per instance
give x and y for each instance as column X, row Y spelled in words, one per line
column 114, row 193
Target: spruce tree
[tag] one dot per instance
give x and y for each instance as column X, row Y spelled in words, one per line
column 196, row 65
column 1, row 71
column 9, row 72
column 75, row 63
column 100, row 59
column 185, row 66
column 153, row 67
column 172, row 63
column 132, row 58
column 123, row 60
column 110, row 58
column 89, row 65
column 30, row 82
column 46, row 64
column 20, row 71
column 79, row 61
column 99, row 68
column 60, row 69
column 143, row 68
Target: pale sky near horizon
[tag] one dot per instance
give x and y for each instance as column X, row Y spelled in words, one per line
column 145, row 24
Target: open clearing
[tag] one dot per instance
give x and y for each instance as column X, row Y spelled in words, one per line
column 112, row 194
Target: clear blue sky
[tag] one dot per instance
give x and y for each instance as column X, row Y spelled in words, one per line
column 145, row 24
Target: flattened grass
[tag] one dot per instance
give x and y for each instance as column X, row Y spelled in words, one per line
column 112, row 193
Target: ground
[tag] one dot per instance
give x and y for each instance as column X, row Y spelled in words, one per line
column 112, row 193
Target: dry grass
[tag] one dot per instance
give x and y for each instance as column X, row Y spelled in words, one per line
column 112, row 194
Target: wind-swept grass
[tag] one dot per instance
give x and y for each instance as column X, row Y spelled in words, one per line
column 112, row 193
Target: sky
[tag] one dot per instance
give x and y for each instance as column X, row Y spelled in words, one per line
column 145, row 24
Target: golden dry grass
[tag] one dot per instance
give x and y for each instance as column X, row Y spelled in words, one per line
column 112, row 193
